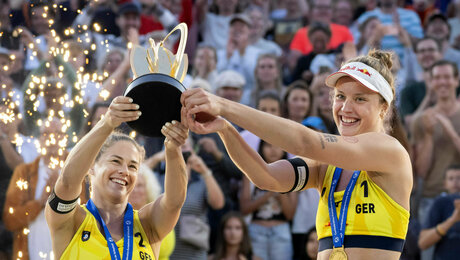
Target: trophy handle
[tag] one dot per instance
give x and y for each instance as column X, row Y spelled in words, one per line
column 180, row 50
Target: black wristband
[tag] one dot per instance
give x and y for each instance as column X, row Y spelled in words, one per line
column 59, row 205
column 301, row 172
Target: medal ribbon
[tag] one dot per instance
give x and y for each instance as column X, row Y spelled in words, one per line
column 127, row 232
column 338, row 225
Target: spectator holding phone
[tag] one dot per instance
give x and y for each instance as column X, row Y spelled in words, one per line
column 203, row 192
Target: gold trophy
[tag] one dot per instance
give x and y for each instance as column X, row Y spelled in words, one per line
column 157, row 84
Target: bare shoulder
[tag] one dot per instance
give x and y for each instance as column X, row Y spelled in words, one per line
column 147, row 219
column 63, row 233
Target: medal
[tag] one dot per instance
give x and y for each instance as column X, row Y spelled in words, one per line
column 338, row 253
column 338, row 225
column 128, row 224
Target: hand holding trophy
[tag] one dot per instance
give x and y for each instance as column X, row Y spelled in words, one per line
column 157, row 86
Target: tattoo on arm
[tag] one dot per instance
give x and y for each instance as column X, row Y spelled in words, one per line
column 322, row 141
column 330, row 138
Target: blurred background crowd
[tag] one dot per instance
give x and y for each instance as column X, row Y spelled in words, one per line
column 63, row 61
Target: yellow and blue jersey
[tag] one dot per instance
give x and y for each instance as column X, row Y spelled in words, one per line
column 89, row 243
column 374, row 219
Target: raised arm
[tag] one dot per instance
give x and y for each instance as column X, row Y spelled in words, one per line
column 83, row 155
column 164, row 212
column 370, row 151
column 278, row 176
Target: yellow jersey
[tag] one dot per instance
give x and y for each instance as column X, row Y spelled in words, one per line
column 374, row 220
column 167, row 246
column 89, row 243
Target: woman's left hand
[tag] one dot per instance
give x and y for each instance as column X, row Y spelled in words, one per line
column 176, row 134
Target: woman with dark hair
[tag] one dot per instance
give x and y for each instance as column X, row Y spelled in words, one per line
column 107, row 227
column 233, row 239
column 297, row 102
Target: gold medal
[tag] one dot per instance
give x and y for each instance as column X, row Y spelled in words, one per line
column 338, row 253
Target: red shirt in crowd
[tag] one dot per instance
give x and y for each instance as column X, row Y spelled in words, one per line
column 339, row 35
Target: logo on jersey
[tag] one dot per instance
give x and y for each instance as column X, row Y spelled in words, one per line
column 85, row 236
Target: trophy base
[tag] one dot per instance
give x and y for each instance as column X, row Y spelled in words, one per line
column 158, row 97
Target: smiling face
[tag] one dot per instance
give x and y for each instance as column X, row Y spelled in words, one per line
column 443, row 81
column 233, row 231
column 357, row 109
column 115, row 172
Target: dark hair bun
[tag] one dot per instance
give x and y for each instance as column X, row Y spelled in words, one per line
column 385, row 57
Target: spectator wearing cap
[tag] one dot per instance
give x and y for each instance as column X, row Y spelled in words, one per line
column 229, row 84
column 438, row 27
column 239, row 55
column 395, row 19
column 214, row 27
column 200, row 83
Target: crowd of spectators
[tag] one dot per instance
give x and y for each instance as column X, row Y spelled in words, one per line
column 63, row 61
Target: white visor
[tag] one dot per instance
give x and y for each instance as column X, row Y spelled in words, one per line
column 366, row 75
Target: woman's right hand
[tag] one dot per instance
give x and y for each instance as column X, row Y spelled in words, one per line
column 122, row 109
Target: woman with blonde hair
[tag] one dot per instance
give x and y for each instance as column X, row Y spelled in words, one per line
column 363, row 175
column 108, row 227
